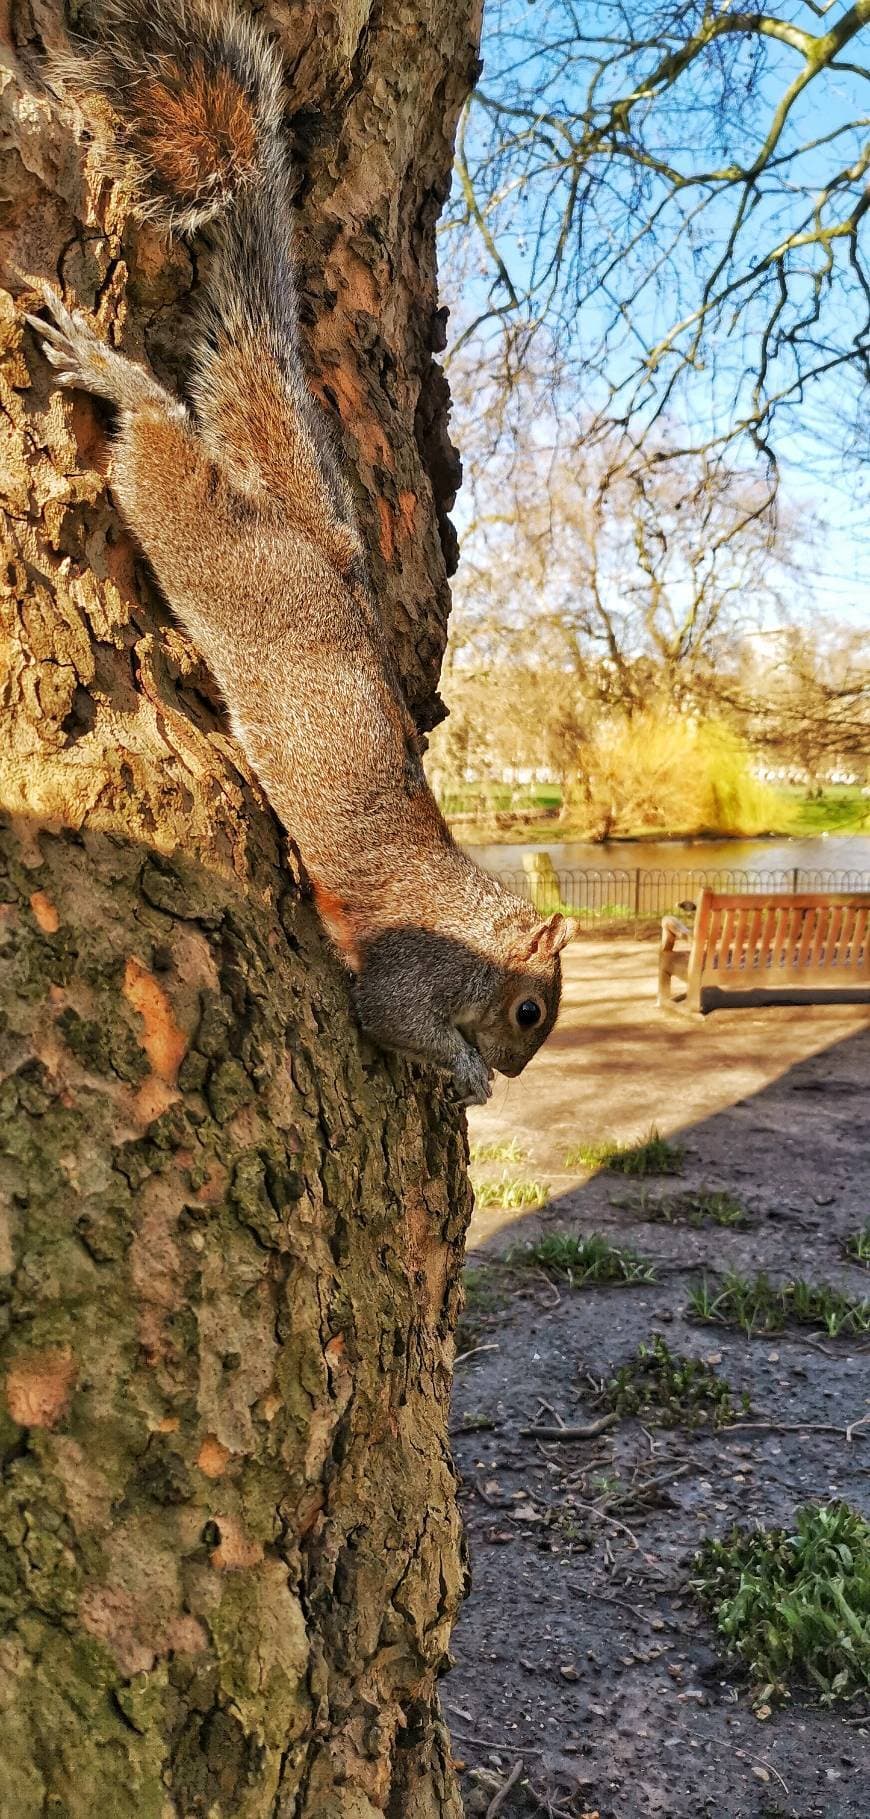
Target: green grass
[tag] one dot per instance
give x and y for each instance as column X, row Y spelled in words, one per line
column 650, row 1155
column 512, row 1192
column 760, row 1306
column 666, row 1390
column 836, row 811
column 795, row 1607
column 841, row 810
column 857, row 1245
column 482, row 1302
column 706, row 1206
column 581, row 1260
column 510, row 1150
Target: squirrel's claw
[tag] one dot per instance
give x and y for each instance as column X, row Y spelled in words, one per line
column 472, row 1078
column 70, row 345
column 85, row 363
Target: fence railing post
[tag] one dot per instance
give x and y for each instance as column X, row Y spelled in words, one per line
column 637, row 890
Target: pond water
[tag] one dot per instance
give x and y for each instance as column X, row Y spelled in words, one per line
column 821, row 852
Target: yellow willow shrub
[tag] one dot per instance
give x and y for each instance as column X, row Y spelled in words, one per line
column 667, row 773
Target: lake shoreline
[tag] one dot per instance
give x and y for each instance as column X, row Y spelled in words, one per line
column 824, row 855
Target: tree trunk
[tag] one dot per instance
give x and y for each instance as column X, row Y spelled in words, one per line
column 230, row 1232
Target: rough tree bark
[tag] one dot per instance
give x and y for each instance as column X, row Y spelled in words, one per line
column 229, row 1231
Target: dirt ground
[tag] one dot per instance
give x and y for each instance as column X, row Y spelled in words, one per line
column 582, row 1653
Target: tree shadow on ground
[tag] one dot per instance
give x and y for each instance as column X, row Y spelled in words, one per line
column 582, row 1650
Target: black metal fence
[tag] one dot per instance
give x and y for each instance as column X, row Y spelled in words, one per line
column 625, row 899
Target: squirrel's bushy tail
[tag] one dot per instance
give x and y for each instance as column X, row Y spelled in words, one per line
column 196, row 85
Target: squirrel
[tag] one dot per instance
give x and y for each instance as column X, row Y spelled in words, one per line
column 238, row 502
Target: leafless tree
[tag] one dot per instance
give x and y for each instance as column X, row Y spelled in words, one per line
column 671, row 200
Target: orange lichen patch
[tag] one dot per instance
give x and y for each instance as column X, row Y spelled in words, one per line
column 153, row 1099
column 39, row 1386
column 336, row 1349
column 195, row 126
column 7, row 1255
column 426, row 1255
column 26, row 835
column 111, row 1615
column 184, row 1635
column 348, row 394
column 168, row 1424
column 359, row 285
column 164, row 1043
column 236, row 1549
column 269, row 1405
column 212, row 1458
column 135, row 1632
column 387, row 536
column 45, row 913
column 308, row 1511
column 213, row 1188
column 396, row 526
column 407, row 510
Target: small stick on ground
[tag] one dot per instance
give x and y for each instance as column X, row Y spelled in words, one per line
column 498, row 1800
column 570, row 1433
column 796, row 1427
column 493, row 1745
column 461, row 1356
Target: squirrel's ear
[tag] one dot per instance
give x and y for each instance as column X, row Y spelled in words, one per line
column 549, row 938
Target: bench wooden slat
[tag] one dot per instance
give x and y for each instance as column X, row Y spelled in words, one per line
column 806, row 943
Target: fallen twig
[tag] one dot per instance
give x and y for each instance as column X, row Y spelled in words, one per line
column 770, row 1770
column 605, row 1516
column 570, row 1433
column 796, row 1427
column 623, row 1604
column 461, row 1356
column 493, row 1745
column 498, row 1800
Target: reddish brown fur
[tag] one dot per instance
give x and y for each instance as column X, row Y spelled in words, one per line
column 252, row 430
column 189, row 121
column 336, row 918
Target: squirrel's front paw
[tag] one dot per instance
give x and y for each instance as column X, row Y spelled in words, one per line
column 71, row 346
column 84, row 362
column 472, row 1078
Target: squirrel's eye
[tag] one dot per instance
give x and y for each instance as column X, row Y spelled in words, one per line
column 528, row 1013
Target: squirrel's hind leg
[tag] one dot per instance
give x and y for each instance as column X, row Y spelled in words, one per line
column 83, row 362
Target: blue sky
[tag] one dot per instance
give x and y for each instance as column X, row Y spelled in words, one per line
column 823, row 478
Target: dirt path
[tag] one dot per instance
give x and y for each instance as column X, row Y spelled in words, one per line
column 582, row 1652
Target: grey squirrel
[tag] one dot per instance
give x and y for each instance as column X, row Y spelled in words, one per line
column 247, row 520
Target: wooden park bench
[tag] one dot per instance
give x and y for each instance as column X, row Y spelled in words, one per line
column 747, row 949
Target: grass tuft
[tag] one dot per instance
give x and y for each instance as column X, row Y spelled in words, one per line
column 706, row 1206
column 857, row 1245
column 666, row 1390
column 760, row 1306
column 651, row 1155
column 509, row 1150
column 795, row 1607
column 581, row 1260
column 512, row 1192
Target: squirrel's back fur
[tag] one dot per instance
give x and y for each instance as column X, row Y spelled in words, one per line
column 248, row 522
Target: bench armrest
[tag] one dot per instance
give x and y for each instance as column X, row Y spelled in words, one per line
column 673, row 929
